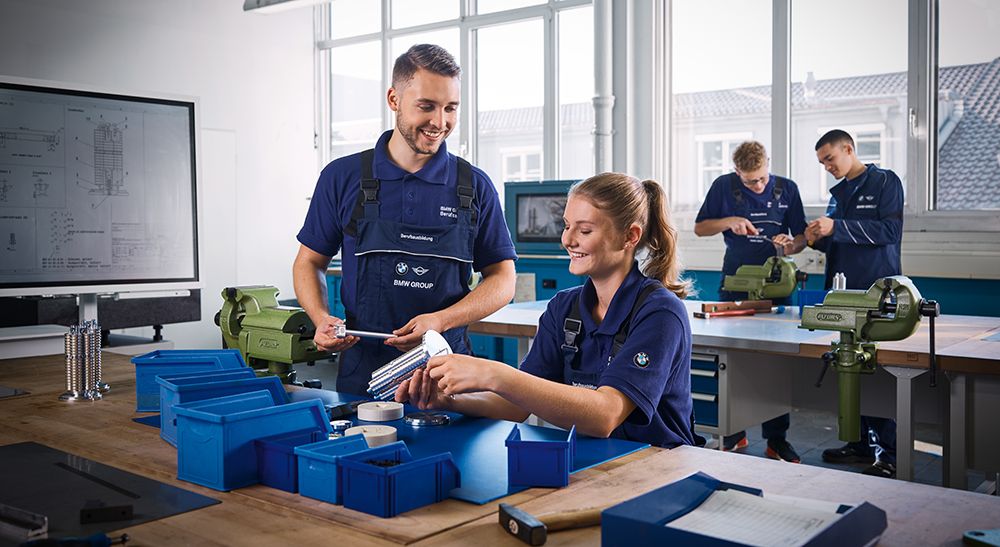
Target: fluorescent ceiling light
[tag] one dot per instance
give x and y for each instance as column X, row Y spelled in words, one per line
column 275, row 6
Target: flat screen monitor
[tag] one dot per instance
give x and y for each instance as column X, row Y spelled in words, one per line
column 534, row 214
column 98, row 190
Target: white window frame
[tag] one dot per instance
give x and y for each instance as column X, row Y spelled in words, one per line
column 467, row 23
column 522, row 153
column 726, row 139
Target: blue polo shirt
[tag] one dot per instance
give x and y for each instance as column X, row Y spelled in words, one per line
column 720, row 203
column 426, row 198
column 653, row 367
column 867, row 215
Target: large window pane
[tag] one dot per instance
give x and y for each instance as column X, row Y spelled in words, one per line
column 356, row 98
column 968, row 99
column 510, row 97
column 849, row 73
column 354, row 18
column 576, row 89
column 721, row 90
column 448, row 39
column 410, row 13
column 491, row 6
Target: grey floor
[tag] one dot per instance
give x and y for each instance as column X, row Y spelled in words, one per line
column 811, row 432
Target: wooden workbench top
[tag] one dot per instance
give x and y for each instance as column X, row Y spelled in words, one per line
column 103, row 431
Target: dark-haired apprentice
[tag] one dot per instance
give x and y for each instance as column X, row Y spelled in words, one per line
column 611, row 357
column 861, row 235
column 412, row 222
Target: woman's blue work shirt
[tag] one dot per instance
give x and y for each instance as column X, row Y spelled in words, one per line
column 653, row 367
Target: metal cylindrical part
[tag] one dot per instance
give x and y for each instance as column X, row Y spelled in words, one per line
column 839, row 282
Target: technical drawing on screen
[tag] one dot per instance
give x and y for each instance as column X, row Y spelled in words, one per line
column 96, row 190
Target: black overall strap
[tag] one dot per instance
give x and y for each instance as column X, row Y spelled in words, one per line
column 367, row 194
column 370, row 185
column 777, row 191
column 736, row 185
column 572, row 324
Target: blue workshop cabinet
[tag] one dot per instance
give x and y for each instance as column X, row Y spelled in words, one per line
column 705, row 388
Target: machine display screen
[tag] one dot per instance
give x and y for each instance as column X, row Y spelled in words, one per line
column 98, row 190
column 540, row 217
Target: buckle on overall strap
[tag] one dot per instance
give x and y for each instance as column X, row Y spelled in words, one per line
column 571, row 328
column 466, row 195
column 370, row 189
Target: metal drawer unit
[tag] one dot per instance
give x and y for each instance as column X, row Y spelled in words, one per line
column 738, row 390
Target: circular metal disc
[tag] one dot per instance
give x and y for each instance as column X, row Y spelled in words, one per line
column 418, row 419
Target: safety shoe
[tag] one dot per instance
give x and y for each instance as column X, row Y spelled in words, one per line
column 881, row 469
column 781, row 450
column 730, row 444
column 846, row 454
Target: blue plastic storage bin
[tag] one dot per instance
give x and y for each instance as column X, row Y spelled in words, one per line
column 277, row 464
column 539, row 463
column 319, row 475
column 176, row 361
column 187, row 388
column 215, row 437
column 389, row 491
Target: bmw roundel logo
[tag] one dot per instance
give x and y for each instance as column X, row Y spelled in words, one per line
column 402, row 268
column 641, row 360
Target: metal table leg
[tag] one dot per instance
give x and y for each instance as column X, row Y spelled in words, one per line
column 904, row 418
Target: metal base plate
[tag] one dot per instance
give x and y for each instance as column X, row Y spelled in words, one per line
column 58, row 485
column 420, row 419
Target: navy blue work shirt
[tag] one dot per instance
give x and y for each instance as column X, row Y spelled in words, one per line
column 867, row 215
column 428, row 197
column 720, row 203
column 653, row 367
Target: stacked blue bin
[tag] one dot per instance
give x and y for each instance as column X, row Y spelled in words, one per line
column 215, row 437
column 176, row 361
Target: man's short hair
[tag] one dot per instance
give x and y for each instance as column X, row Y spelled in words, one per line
column 429, row 57
column 750, row 156
column 835, row 137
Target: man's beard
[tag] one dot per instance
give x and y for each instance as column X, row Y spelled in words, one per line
column 411, row 135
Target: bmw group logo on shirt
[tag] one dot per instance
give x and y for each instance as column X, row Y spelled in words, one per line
column 641, row 360
column 402, row 268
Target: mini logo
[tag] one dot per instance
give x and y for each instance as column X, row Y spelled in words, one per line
column 268, row 343
column 641, row 360
column 869, row 198
column 420, row 270
column 402, row 268
column 829, row 317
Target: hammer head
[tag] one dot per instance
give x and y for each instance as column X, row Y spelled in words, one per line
column 522, row 525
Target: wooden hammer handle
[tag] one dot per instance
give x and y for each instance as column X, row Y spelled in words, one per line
column 568, row 519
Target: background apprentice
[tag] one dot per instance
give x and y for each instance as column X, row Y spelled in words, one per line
column 746, row 206
column 861, row 235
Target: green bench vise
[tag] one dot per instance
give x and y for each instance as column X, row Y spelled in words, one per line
column 890, row 310
column 776, row 278
column 271, row 337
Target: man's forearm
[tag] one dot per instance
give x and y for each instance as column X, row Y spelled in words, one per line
column 494, row 292
column 310, row 291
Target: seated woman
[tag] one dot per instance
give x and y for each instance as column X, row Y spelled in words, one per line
column 573, row 374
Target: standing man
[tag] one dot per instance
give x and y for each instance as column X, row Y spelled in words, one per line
column 412, row 222
column 746, row 206
column 861, row 235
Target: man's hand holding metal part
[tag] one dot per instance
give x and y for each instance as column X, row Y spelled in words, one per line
column 327, row 338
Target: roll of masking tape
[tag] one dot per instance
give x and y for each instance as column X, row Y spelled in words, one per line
column 375, row 435
column 380, row 411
